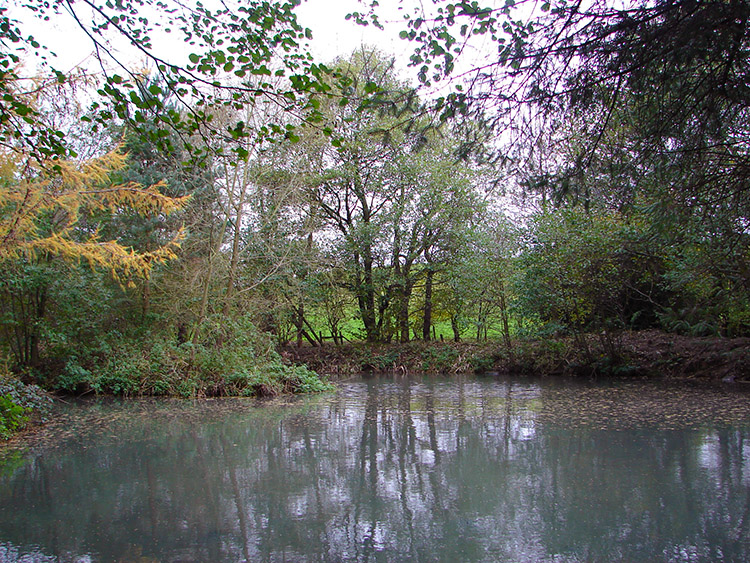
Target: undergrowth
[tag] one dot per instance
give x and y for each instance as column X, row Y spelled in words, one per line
column 19, row 404
column 230, row 358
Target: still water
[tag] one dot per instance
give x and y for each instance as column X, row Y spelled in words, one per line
column 413, row 469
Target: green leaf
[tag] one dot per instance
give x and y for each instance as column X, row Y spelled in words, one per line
column 22, row 109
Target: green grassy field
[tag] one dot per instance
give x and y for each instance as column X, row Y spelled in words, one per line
column 353, row 330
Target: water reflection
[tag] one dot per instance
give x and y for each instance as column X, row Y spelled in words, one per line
column 394, row 470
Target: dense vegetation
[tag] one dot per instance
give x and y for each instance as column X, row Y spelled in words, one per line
column 168, row 236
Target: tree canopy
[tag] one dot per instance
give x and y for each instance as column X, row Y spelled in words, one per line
column 672, row 72
column 41, row 213
column 235, row 56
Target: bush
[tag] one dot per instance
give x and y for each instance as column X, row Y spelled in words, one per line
column 439, row 360
column 381, row 362
column 19, row 403
column 482, row 362
column 12, row 417
column 231, row 358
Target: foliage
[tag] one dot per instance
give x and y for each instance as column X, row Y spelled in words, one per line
column 231, row 358
column 639, row 110
column 439, row 360
column 50, row 221
column 367, row 217
column 383, row 361
column 584, row 272
column 12, row 417
column 477, row 288
column 569, row 269
column 19, row 403
column 384, row 197
column 40, row 214
column 598, row 60
column 234, row 50
column 402, row 359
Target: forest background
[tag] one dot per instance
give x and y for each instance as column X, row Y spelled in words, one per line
column 561, row 172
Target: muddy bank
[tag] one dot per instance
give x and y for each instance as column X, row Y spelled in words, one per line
column 651, row 353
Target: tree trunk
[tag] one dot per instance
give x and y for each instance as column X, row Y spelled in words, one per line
column 454, row 328
column 299, row 322
column 506, row 323
column 427, row 318
column 233, row 264
column 403, row 311
column 366, row 298
column 145, row 300
column 40, row 308
column 203, row 309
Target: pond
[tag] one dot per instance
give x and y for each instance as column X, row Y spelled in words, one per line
column 389, row 469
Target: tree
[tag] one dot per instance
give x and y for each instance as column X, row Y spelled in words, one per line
column 193, row 127
column 247, row 42
column 567, row 53
column 347, row 179
column 42, row 221
column 588, row 272
column 475, row 274
column 669, row 74
column 388, row 189
column 436, row 203
column 640, row 108
column 41, row 212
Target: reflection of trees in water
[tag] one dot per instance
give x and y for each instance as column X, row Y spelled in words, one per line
column 400, row 470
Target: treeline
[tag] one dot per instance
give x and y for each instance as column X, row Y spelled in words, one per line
column 170, row 248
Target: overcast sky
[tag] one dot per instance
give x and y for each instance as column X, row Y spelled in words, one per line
column 332, row 35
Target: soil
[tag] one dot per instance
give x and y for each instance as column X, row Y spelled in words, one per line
column 650, row 353
column 674, row 355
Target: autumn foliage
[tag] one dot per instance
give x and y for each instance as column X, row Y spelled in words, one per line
column 41, row 212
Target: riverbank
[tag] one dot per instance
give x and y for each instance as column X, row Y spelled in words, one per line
column 644, row 354
column 649, row 354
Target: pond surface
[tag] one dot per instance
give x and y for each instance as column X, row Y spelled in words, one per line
column 426, row 469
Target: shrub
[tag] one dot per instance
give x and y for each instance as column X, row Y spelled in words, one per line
column 439, row 360
column 483, row 362
column 12, row 417
column 19, row 403
column 381, row 362
column 231, row 358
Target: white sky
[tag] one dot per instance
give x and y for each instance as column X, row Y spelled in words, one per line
column 333, row 35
